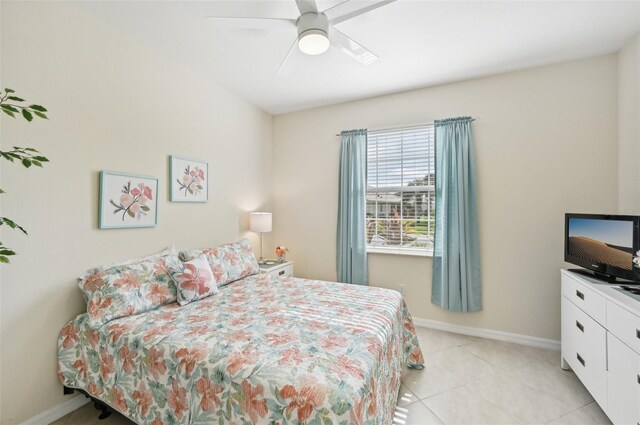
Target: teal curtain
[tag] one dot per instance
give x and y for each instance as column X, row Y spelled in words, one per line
column 352, row 204
column 456, row 260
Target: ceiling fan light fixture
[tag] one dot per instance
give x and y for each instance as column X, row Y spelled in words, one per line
column 313, row 42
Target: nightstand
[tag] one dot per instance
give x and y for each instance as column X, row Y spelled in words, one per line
column 276, row 269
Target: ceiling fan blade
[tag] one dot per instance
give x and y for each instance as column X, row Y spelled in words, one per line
column 289, row 63
column 253, row 23
column 350, row 9
column 307, row 6
column 351, row 48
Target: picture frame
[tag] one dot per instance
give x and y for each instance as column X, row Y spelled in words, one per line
column 188, row 179
column 127, row 200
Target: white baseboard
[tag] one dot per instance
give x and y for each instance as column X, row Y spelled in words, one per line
column 532, row 341
column 58, row 411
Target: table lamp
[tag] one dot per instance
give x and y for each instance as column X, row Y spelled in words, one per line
column 260, row 222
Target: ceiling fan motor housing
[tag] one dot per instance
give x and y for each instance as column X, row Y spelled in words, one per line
column 312, row 23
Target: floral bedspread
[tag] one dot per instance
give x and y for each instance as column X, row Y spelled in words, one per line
column 261, row 351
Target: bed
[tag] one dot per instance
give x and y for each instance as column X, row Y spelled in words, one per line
column 262, row 350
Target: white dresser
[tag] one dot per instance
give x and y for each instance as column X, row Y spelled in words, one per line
column 601, row 344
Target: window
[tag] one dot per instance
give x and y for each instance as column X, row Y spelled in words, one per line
column 400, row 190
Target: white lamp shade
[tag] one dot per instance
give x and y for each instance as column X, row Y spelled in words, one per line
column 260, row 222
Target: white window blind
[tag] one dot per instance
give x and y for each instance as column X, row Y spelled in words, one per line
column 400, row 189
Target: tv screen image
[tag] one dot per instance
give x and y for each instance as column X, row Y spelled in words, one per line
column 602, row 241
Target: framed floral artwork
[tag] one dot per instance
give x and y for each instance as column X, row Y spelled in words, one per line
column 189, row 179
column 127, row 200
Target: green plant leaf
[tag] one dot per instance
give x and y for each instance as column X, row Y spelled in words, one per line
column 15, row 98
column 41, row 115
column 9, row 90
column 27, row 115
column 30, row 149
column 9, row 108
column 2, row 191
column 6, row 251
column 40, row 158
column 8, row 113
column 6, row 156
column 131, row 214
column 12, row 224
column 3, row 259
column 26, row 162
column 38, row 108
column 36, row 163
column 145, row 208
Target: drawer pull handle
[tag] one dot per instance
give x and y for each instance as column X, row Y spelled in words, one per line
column 579, row 326
column 281, row 273
column 579, row 294
column 638, row 333
column 580, row 359
column 638, row 378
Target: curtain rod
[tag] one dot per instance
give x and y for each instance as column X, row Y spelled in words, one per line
column 402, row 127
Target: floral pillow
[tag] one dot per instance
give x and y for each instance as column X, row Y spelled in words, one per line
column 90, row 280
column 194, row 279
column 128, row 289
column 229, row 262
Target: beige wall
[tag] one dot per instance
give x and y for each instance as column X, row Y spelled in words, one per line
column 629, row 127
column 0, row 233
column 546, row 144
column 114, row 105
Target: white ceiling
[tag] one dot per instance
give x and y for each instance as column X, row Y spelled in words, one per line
column 420, row 43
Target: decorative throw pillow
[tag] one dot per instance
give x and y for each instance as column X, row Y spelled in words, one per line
column 129, row 289
column 229, row 262
column 194, row 280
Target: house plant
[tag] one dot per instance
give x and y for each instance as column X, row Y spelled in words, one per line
column 13, row 105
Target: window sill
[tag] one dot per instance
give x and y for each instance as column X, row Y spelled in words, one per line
column 392, row 251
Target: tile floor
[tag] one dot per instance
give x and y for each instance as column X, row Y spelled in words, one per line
column 470, row 380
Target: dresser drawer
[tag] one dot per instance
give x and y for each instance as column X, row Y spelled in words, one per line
column 624, row 325
column 584, row 347
column 623, row 382
column 589, row 301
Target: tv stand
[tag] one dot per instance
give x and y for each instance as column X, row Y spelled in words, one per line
column 601, row 343
column 602, row 277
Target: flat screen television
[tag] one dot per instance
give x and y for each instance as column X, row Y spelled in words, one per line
column 604, row 244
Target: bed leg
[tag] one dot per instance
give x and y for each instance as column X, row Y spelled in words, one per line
column 67, row 390
column 105, row 411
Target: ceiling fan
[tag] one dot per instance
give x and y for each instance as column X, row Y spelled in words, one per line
column 316, row 31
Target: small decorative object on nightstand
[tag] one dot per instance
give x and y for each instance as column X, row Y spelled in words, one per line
column 281, row 252
column 276, row 269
